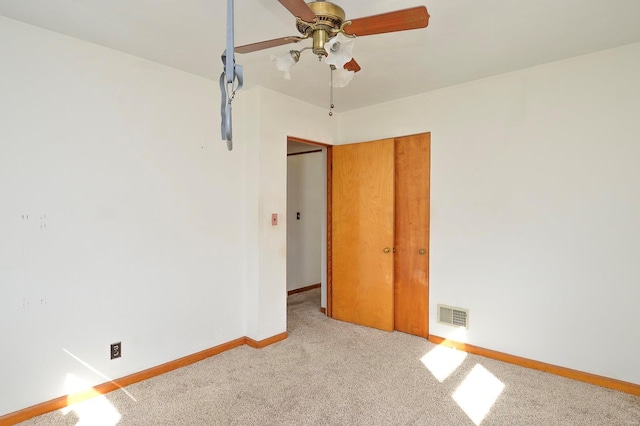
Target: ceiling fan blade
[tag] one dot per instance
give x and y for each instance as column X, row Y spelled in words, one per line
column 400, row 20
column 248, row 48
column 299, row 9
column 352, row 65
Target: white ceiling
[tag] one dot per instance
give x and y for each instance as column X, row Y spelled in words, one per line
column 465, row 40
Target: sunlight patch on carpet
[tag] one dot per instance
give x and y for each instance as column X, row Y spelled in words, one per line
column 99, row 373
column 89, row 405
column 477, row 393
column 442, row 361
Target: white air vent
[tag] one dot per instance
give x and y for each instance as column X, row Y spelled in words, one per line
column 456, row 317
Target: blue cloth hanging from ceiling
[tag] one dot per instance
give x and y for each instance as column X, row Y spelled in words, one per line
column 230, row 80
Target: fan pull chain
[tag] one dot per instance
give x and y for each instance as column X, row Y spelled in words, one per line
column 331, row 93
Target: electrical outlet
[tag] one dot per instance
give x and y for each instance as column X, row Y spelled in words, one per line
column 116, row 350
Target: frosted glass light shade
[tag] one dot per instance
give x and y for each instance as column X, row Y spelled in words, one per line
column 341, row 77
column 285, row 62
column 338, row 50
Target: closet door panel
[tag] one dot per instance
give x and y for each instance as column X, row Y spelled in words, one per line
column 411, row 303
column 363, row 233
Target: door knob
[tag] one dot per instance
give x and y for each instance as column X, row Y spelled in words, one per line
column 422, row 252
column 386, row 250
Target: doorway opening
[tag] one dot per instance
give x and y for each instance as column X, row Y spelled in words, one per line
column 307, row 206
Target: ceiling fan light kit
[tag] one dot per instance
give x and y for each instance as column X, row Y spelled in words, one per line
column 341, row 77
column 332, row 35
column 286, row 61
column 339, row 50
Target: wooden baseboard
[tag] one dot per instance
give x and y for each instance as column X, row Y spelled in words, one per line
column 33, row 411
column 302, row 289
column 593, row 379
column 266, row 342
column 63, row 401
column 323, row 310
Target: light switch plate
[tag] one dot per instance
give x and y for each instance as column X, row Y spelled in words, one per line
column 274, row 219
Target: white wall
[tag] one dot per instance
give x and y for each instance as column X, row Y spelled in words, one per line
column 304, row 195
column 534, row 207
column 144, row 242
column 271, row 118
column 155, row 234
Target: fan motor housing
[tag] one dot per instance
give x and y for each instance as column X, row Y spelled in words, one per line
column 329, row 17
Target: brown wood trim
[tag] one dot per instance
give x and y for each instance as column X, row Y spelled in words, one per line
column 329, row 309
column 323, row 310
column 303, row 289
column 581, row 376
column 169, row 366
column 33, row 411
column 63, row 401
column 303, row 152
column 307, row 141
column 266, row 342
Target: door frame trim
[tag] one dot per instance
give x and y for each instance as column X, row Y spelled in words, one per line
column 328, row 269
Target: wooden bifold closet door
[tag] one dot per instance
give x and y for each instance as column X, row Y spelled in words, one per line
column 362, row 233
column 380, row 234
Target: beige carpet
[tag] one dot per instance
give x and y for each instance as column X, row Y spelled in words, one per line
column 333, row 373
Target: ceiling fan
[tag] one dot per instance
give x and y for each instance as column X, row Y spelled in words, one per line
column 324, row 22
